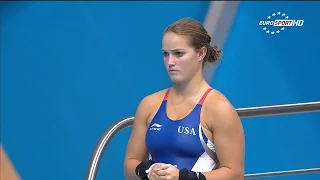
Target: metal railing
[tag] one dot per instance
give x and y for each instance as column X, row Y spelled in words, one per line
column 243, row 112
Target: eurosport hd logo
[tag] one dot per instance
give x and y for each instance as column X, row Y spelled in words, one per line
column 279, row 22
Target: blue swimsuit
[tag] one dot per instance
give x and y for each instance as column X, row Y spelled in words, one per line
column 181, row 142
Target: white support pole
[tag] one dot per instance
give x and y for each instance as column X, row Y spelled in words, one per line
column 218, row 23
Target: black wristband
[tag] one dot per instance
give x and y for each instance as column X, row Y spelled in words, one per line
column 141, row 169
column 186, row 174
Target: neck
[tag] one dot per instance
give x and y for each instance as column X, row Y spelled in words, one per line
column 190, row 87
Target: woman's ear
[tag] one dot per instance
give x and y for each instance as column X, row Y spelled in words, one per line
column 202, row 53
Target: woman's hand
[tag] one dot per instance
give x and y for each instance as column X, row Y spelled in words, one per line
column 167, row 172
column 153, row 170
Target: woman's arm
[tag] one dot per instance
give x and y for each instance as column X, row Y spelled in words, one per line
column 7, row 170
column 136, row 149
column 228, row 137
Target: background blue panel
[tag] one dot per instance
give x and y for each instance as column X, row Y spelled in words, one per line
column 264, row 69
column 69, row 70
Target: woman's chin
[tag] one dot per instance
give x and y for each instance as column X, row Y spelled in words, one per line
column 176, row 79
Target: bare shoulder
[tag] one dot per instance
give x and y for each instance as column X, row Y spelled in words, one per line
column 216, row 102
column 150, row 103
column 153, row 100
column 219, row 110
column 155, row 97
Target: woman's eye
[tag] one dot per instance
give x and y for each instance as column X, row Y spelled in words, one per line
column 178, row 54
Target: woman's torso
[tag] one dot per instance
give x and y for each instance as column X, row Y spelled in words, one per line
column 181, row 142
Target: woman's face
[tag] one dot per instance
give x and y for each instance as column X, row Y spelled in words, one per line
column 181, row 60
